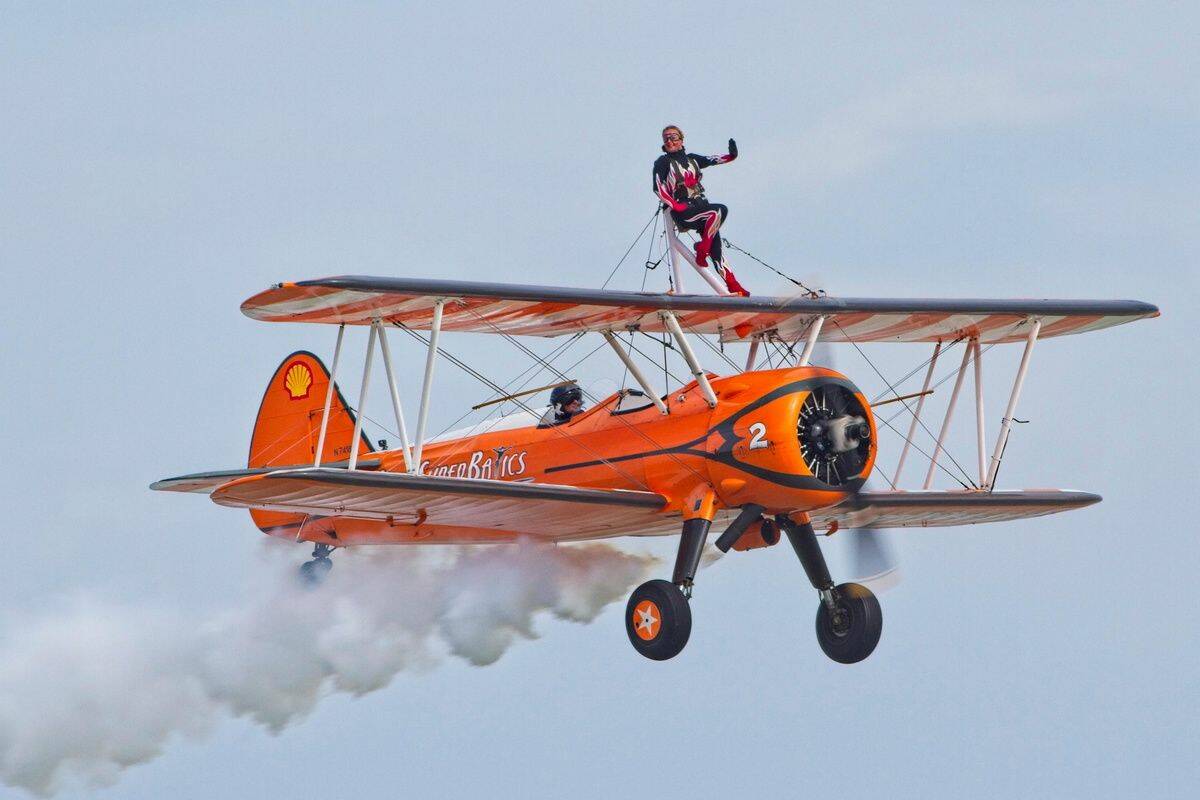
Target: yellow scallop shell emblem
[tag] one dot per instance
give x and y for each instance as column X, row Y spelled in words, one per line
column 296, row 380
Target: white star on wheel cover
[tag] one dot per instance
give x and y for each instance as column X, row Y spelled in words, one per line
column 646, row 620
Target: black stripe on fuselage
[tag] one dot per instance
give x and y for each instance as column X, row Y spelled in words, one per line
column 724, row 452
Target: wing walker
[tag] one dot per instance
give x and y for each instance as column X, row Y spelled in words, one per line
column 779, row 447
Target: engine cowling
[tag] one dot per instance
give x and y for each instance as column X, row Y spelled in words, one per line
column 791, row 439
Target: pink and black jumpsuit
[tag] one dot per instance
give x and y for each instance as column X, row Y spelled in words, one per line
column 677, row 184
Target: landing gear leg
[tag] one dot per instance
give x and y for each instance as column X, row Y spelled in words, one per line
column 849, row 619
column 691, row 547
column 658, row 618
column 313, row 572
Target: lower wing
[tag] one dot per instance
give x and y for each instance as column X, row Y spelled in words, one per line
column 467, row 509
column 947, row 509
column 421, row 501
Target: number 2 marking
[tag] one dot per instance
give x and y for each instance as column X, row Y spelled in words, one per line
column 756, row 441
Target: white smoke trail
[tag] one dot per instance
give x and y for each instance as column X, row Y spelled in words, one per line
column 87, row 692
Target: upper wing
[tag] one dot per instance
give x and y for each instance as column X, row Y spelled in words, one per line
column 462, row 503
column 947, row 509
column 555, row 311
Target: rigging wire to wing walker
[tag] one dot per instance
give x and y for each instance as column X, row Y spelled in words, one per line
column 785, row 450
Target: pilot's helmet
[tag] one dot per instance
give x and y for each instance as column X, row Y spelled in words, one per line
column 563, row 396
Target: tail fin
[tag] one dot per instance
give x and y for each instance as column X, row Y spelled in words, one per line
column 289, row 417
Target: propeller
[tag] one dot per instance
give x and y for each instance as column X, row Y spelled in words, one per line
column 869, row 552
column 872, row 558
column 835, row 441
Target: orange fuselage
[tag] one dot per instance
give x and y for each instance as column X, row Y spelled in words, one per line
column 744, row 450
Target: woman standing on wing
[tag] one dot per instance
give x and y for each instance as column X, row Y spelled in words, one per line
column 677, row 183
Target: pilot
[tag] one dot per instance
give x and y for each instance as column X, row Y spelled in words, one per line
column 677, row 184
column 565, row 402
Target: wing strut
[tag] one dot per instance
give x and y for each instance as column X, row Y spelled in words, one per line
column 435, row 330
column 958, row 382
column 689, row 356
column 980, row 433
column 362, row 396
column 752, row 356
column 628, row 361
column 337, row 352
column 912, row 427
column 814, row 332
column 395, row 390
column 1006, row 423
column 377, row 330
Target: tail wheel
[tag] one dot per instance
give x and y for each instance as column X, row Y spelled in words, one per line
column 849, row 633
column 313, row 572
column 658, row 620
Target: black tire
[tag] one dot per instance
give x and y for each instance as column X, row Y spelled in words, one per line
column 313, row 572
column 852, row 637
column 658, row 620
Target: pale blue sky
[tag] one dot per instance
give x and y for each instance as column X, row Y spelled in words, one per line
column 160, row 163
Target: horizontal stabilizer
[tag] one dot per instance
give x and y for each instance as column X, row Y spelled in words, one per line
column 421, row 500
column 205, row 482
column 948, row 509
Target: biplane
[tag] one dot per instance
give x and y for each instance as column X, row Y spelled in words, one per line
column 775, row 449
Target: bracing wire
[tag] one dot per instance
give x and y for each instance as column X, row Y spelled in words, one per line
column 952, row 373
column 920, row 367
column 645, row 275
column 814, row 293
column 466, row 441
column 716, row 350
column 633, row 428
column 525, row 376
column 891, row 388
column 632, row 245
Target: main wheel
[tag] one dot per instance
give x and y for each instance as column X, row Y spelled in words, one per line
column 658, row 620
column 313, row 572
column 849, row 634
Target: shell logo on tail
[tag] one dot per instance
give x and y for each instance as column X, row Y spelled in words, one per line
column 297, row 379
